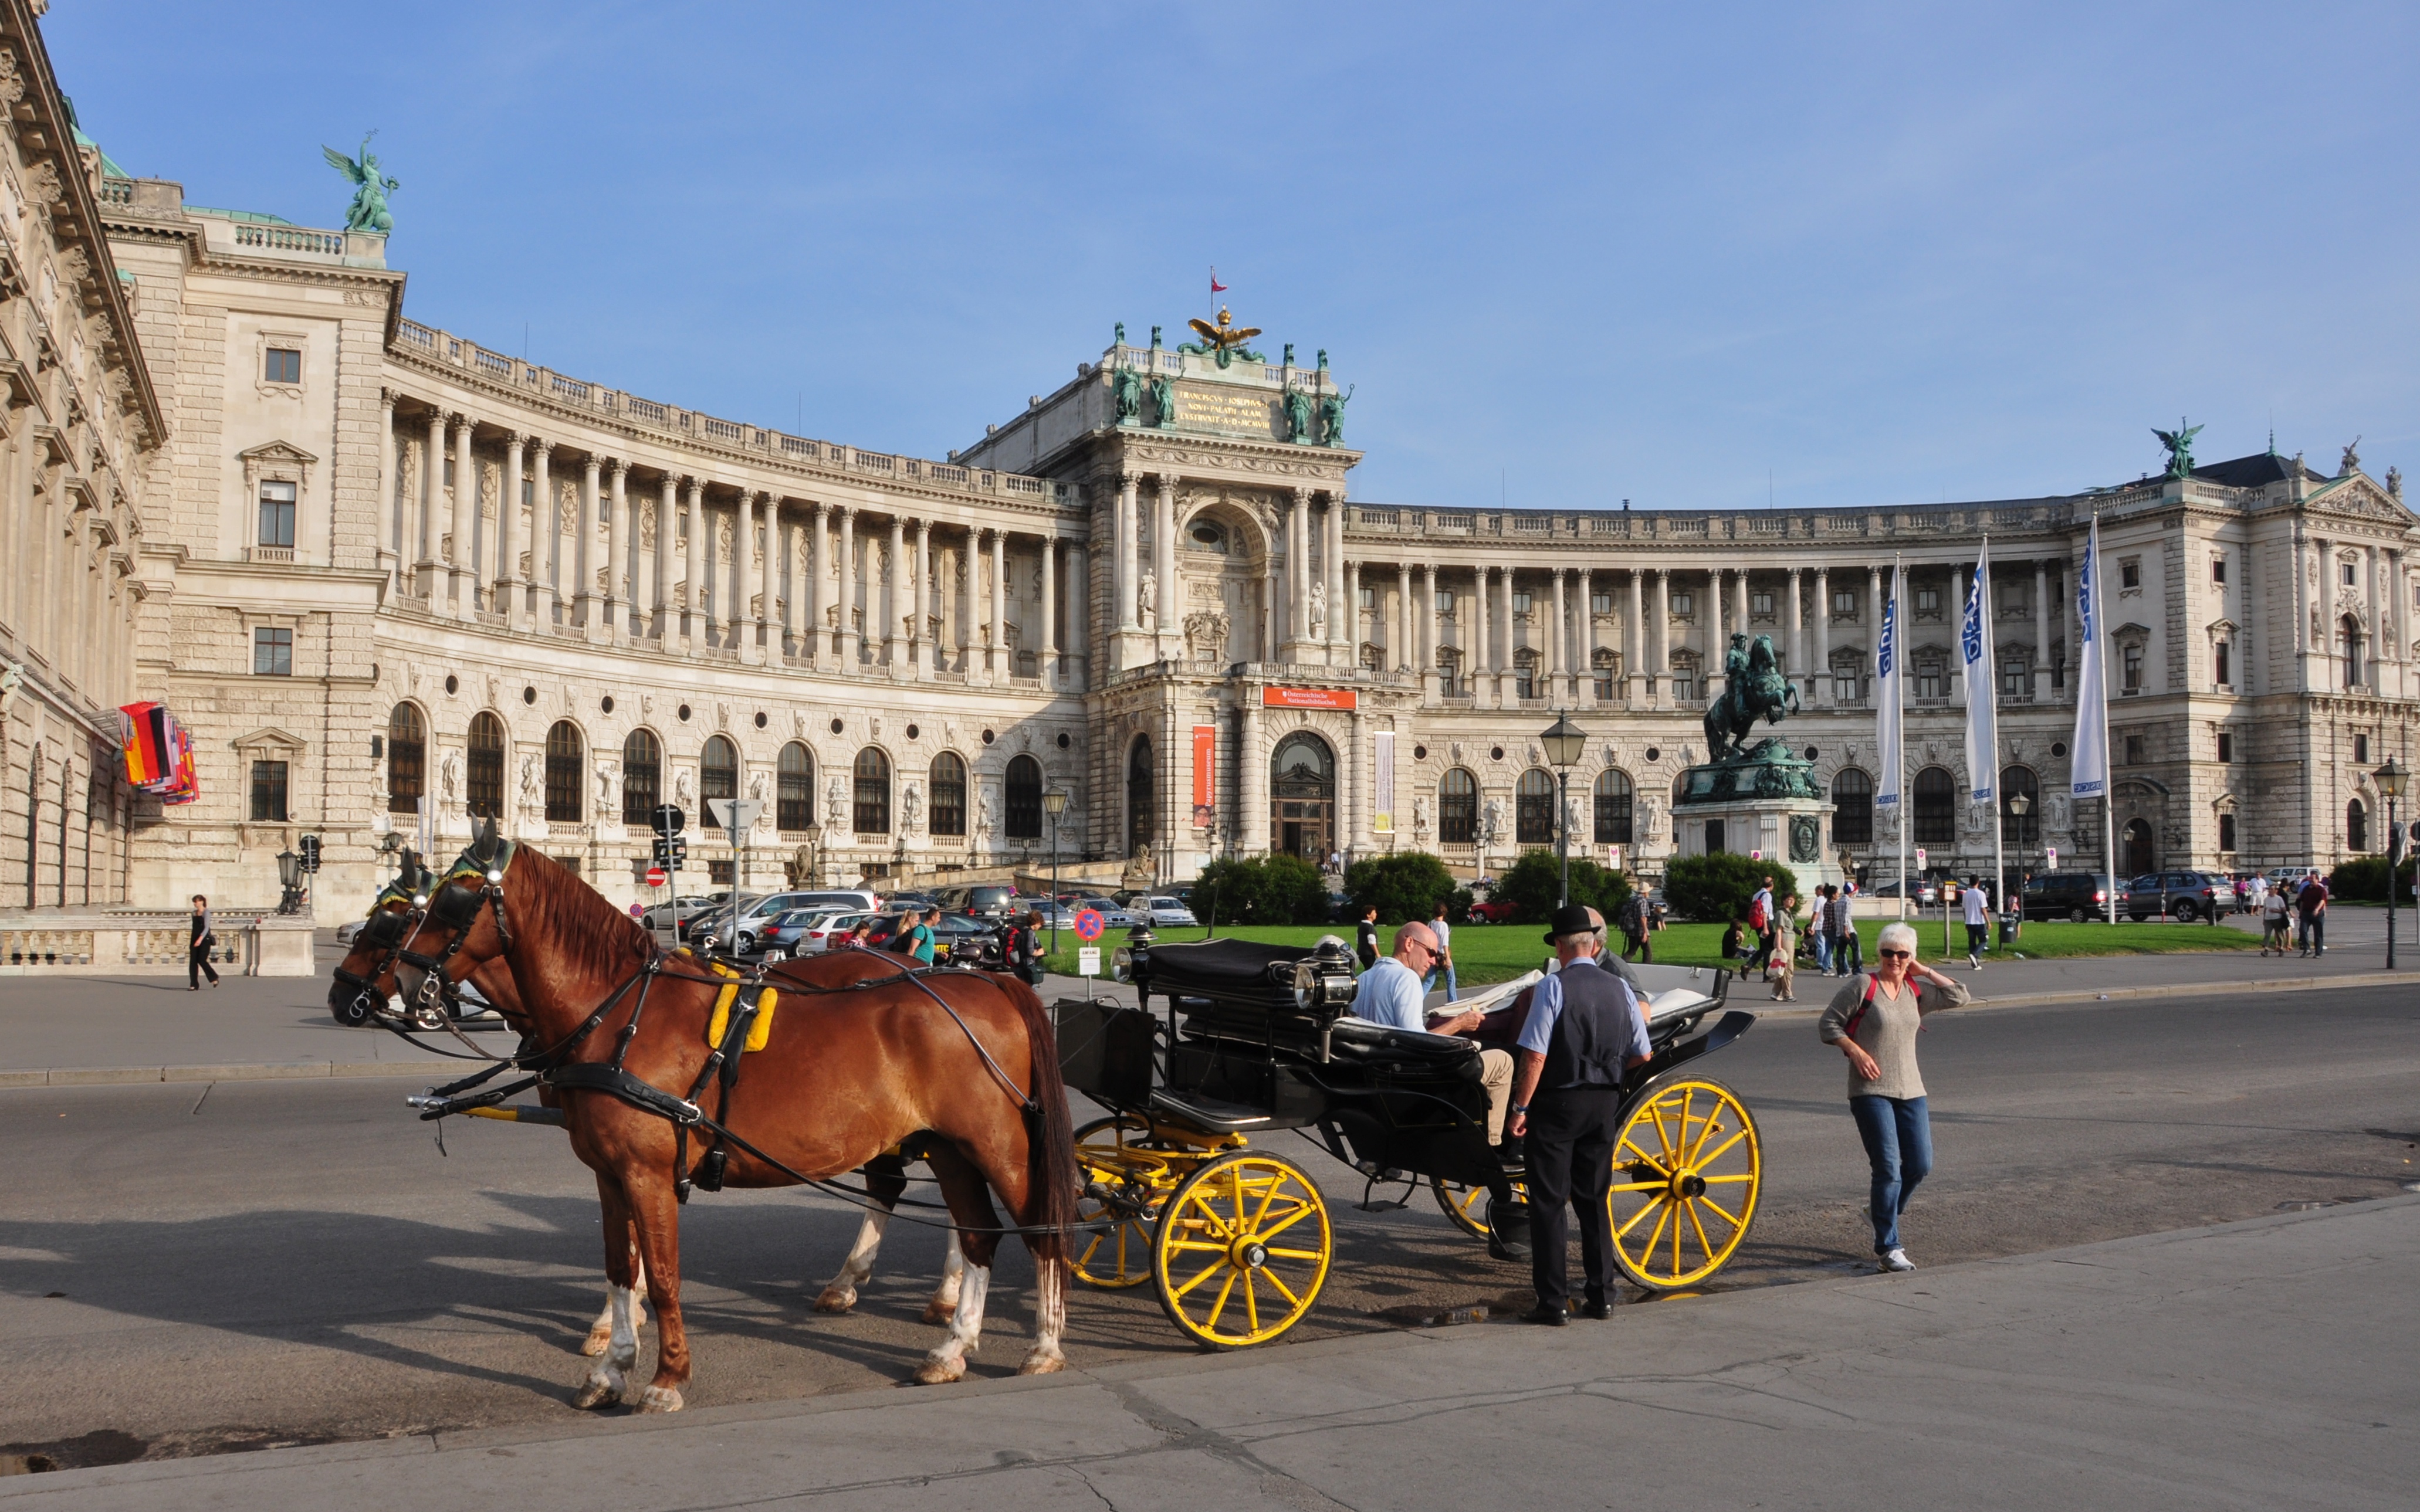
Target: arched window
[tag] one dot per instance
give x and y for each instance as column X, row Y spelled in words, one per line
column 1524, row 673
column 407, row 760
column 1853, row 808
column 2136, row 854
column 2014, row 829
column 1533, row 808
column 949, row 797
column 1139, row 799
column 642, row 778
column 794, row 798
column 1302, row 798
column 563, row 774
column 2356, row 826
column 2349, row 636
column 1457, row 808
column 1613, row 807
column 719, row 776
column 1024, row 798
column 1935, row 805
column 484, row 784
column 872, row 809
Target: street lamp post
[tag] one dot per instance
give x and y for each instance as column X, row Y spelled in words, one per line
column 1563, row 741
column 1054, row 803
column 2390, row 779
column 289, row 874
column 2019, row 805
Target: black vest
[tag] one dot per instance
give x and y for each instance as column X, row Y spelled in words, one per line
column 1591, row 1033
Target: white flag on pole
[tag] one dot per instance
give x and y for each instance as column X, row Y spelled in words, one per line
column 1983, row 691
column 2091, row 764
column 1889, row 705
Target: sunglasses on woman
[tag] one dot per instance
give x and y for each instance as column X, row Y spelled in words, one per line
column 1896, row 955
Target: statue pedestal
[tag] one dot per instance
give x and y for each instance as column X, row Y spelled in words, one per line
column 1764, row 801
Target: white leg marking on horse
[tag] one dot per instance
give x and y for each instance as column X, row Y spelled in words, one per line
column 1050, row 1321
column 953, row 1273
column 947, row 1360
column 609, row 1378
column 600, row 1333
column 659, row 1399
column 840, row 1292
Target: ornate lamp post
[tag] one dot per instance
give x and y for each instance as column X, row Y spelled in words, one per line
column 289, row 874
column 1564, row 741
column 1054, row 803
column 2390, row 779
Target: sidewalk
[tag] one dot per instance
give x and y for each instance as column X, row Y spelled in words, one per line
column 2262, row 1364
column 88, row 1030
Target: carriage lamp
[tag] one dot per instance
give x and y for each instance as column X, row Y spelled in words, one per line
column 2390, row 787
column 1564, row 742
column 1054, row 803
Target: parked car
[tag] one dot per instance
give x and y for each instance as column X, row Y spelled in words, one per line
column 756, row 914
column 1162, row 912
column 2289, row 879
column 964, row 940
column 1926, row 893
column 828, row 932
column 918, row 899
column 2183, row 896
column 2078, row 897
column 990, row 900
column 1494, row 911
column 660, row 916
column 1113, row 914
column 788, row 933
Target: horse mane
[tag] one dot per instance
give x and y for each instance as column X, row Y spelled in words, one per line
column 574, row 915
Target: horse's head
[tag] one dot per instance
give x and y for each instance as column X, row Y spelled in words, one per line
column 461, row 925
column 365, row 979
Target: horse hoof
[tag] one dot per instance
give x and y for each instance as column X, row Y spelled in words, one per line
column 835, row 1300
column 941, row 1312
column 1042, row 1365
column 599, row 1338
column 936, row 1373
column 659, row 1399
column 597, row 1390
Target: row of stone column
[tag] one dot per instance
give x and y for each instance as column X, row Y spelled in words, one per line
column 62, row 588
column 781, row 558
column 1144, row 599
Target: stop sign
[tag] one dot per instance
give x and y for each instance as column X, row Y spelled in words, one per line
column 655, row 876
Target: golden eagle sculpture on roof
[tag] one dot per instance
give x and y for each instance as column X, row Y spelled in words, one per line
column 1224, row 341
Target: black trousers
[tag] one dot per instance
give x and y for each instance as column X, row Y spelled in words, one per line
column 197, row 962
column 1570, row 1150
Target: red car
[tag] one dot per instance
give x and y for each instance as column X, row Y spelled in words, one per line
column 1494, row 912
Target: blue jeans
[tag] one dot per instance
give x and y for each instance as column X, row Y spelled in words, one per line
column 1823, row 953
column 1428, row 983
column 1899, row 1146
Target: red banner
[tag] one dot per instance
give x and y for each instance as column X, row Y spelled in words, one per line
column 1309, row 698
column 1205, row 764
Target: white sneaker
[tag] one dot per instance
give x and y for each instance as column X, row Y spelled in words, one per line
column 1897, row 1261
column 1973, row 964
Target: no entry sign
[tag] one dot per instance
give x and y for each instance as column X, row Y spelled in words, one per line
column 655, row 876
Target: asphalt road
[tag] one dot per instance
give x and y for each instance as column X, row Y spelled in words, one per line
column 258, row 1263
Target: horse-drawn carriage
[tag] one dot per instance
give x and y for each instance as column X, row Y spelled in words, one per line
column 1252, row 1038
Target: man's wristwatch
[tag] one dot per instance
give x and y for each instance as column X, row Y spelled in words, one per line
column 1518, row 1107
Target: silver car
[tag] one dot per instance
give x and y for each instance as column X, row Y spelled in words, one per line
column 1163, row 913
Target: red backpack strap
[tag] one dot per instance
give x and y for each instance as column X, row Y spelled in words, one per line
column 1850, row 1030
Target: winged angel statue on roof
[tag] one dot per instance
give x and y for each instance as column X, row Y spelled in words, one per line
column 368, row 211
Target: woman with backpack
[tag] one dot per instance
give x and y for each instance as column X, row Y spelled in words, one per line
column 1021, row 952
column 1874, row 1021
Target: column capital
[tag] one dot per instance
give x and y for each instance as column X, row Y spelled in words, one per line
column 456, row 417
column 1302, row 492
column 621, row 469
column 1129, row 477
column 594, row 463
column 923, row 529
column 515, row 438
column 388, row 398
column 819, row 507
column 541, row 445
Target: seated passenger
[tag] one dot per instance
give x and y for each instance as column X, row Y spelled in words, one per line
column 1390, row 993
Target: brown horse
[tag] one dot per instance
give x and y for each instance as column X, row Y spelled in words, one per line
column 369, row 968
column 968, row 1057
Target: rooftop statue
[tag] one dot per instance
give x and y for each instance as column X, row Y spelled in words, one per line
column 2179, row 444
column 1222, row 341
column 1754, row 688
column 368, row 211
column 1331, row 413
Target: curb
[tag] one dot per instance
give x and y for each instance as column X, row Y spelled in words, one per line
column 2283, row 984
column 259, row 1071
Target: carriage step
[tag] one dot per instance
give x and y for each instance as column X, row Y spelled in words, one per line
column 1207, row 1113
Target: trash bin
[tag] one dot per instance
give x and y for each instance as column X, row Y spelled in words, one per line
column 2012, row 923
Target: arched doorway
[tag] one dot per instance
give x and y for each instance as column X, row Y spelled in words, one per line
column 1138, row 796
column 1302, row 798
column 2135, row 850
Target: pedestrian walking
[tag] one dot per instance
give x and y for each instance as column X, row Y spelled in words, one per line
column 1638, row 923
column 1819, row 929
column 198, row 948
column 1874, row 1021
column 2275, row 915
column 2311, row 903
column 1443, row 964
column 1585, row 1029
column 1366, row 945
column 1783, row 967
column 1022, row 952
column 1978, row 922
column 1760, row 921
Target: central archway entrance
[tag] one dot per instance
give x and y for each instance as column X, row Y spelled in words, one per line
column 2135, row 854
column 1139, row 797
column 1302, row 798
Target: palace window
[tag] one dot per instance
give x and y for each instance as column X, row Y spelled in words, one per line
column 2226, row 746
column 268, row 792
column 1930, row 679
column 1520, row 601
column 1369, row 598
column 1848, row 676
column 1524, row 673
column 871, row 810
column 2134, row 750
column 2356, row 824
column 563, row 774
column 2132, row 679
column 1853, row 808
column 1684, row 676
column 1449, row 670
column 1445, row 603
column 2015, row 828
column 2017, row 676
column 484, row 785
column 1533, row 808
column 2349, row 636
column 1457, row 808
column 949, row 805
column 2226, row 831
column 276, row 514
column 1023, row 791
column 1934, row 801
column 642, row 778
column 2058, row 665
column 1614, row 805
column 1684, row 603
column 1603, row 664
column 1927, row 601
column 406, row 756
column 281, row 364
column 719, row 775
column 2218, row 576
column 1761, row 602
column 2361, row 750
column 1600, row 601
column 272, row 651
column 794, row 801
column 2130, row 572
column 2223, row 663
column 2350, row 575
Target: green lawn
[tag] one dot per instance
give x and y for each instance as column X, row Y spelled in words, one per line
column 1496, row 952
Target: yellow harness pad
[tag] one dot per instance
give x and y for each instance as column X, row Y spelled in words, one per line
column 758, row 1030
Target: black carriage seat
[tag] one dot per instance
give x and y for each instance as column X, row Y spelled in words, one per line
column 1380, row 1044
column 1207, row 1114
column 1226, row 969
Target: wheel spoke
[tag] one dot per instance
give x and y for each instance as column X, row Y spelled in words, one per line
column 1719, row 1151
column 1207, row 1272
column 1718, row 1208
column 1659, row 1163
column 1220, row 1308
column 1676, row 1236
column 1196, row 1245
column 1624, row 1230
column 1252, row 1304
column 1642, row 1186
column 1296, row 1254
column 1274, row 1229
column 1727, row 1181
column 1703, row 1242
column 1657, row 1112
column 1278, row 1281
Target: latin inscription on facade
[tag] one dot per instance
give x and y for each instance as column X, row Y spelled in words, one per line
column 1224, row 409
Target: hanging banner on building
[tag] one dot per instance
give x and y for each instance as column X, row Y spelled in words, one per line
column 1206, row 773
column 1381, row 783
column 1309, row 698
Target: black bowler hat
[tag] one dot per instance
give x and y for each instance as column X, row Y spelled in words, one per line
column 1571, row 919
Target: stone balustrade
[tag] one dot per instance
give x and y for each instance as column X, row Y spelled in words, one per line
column 119, row 943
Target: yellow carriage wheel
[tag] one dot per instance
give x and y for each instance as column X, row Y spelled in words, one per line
column 1105, row 1152
column 1242, row 1249
column 1686, row 1170
column 1471, row 1210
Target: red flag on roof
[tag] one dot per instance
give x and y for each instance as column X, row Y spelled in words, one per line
column 1215, row 287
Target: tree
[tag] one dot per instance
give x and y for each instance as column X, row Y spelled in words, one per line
column 1714, row 889
column 1405, row 885
column 1265, row 889
column 1533, row 883
column 2362, row 879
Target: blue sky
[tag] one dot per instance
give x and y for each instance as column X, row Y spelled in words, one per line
column 1693, row 257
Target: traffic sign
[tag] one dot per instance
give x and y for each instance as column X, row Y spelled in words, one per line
column 636, row 910
column 1756, row 856
column 1088, row 924
column 2050, row 857
column 1088, row 961
column 667, row 820
column 734, row 815
column 655, row 876
column 1919, row 857
column 310, row 853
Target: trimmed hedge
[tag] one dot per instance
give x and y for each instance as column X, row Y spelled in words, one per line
column 1405, row 885
column 1264, row 889
column 2362, row 880
column 1533, row 884
column 1716, row 889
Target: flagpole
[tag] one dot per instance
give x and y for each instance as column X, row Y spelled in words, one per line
column 1999, row 800
column 1899, row 778
column 2108, row 788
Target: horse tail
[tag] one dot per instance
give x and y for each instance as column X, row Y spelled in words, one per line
column 1051, row 1140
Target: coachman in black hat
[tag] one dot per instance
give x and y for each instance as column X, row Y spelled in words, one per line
column 1585, row 1029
